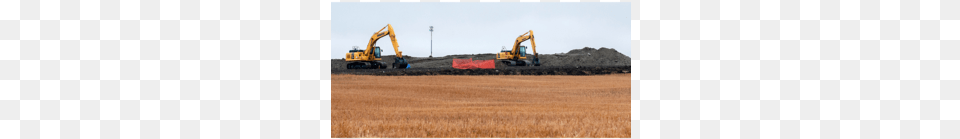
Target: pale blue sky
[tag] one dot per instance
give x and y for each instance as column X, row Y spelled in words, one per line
column 472, row 28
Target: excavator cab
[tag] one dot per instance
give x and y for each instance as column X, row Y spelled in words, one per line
column 523, row 51
column 376, row 51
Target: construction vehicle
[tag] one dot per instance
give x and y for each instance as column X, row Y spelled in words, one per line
column 516, row 56
column 369, row 58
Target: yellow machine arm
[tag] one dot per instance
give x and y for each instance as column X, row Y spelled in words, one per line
column 380, row 34
column 522, row 38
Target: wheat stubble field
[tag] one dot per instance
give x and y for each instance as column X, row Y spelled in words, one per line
column 449, row 106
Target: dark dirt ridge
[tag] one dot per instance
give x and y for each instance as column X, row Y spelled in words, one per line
column 603, row 58
column 529, row 70
column 576, row 57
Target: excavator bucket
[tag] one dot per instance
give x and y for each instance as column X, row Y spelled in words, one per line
column 400, row 63
column 536, row 61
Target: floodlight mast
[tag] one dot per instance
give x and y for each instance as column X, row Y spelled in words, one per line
column 431, row 41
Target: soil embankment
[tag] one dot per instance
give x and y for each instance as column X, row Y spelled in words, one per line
column 586, row 61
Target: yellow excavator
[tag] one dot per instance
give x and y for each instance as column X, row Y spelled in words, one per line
column 370, row 58
column 516, row 56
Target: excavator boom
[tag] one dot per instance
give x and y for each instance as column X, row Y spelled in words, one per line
column 521, row 39
column 380, row 34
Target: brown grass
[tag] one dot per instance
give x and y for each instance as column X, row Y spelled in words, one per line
column 481, row 106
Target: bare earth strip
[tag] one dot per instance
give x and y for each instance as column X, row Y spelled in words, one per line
column 496, row 106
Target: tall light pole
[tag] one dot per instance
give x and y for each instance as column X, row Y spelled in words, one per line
column 431, row 41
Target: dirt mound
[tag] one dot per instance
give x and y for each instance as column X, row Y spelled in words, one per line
column 542, row 70
column 586, row 57
column 576, row 57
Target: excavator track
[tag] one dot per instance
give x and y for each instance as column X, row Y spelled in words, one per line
column 367, row 65
column 514, row 62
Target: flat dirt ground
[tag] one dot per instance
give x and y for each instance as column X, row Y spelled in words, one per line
column 494, row 106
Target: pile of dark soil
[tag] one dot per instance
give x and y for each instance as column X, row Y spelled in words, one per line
column 530, row 70
column 586, row 57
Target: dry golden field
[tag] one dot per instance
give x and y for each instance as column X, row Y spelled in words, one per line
column 513, row 106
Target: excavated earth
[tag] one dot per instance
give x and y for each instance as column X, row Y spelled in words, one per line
column 542, row 70
column 586, row 61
